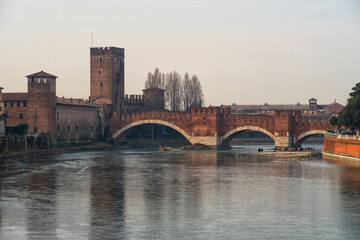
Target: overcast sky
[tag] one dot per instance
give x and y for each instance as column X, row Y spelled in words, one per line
column 243, row 51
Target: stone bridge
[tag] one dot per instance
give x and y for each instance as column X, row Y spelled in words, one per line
column 217, row 126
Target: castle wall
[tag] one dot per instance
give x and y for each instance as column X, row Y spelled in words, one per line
column 76, row 123
column 154, row 99
column 16, row 112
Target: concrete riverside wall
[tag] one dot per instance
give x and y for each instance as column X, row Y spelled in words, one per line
column 342, row 144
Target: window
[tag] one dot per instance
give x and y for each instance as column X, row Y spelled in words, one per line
column 68, row 129
column 101, row 84
column 57, row 115
column 38, row 80
column 38, row 94
column 21, row 116
column 32, row 80
column 5, row 104
column 99, row 72
column 91, row 128
column 58, row 128
column 24, row 103
column 11, row 104
column 35, row 130
column 44, row 80
column 18, row 103
column 100, row 59
column 76, row 129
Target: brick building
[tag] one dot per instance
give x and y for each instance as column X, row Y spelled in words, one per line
column 107, row 85
column 70, row 119
column 39, row 108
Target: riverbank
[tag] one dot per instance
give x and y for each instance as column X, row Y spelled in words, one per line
column 32, row 155
column 291, row 155
column 342, row 146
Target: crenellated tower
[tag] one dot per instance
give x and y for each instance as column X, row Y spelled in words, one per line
column 107, row 76
column 42, row 103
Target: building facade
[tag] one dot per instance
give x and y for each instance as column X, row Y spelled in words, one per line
column 63, row 119
column 70, row 119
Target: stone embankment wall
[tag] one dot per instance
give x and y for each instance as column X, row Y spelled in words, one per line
column 342, row 145
column 24, row 143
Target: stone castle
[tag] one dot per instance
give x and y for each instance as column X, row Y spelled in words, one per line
column 71, row 119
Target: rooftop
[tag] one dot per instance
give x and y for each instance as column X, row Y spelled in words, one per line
column 41, row 74
column 73, row 101
column 15, row 96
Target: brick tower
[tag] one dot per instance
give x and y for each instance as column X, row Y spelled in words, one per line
column 107, row 76
column 42, row 103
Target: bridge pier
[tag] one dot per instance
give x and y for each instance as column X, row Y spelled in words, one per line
column 208, row 140
column 282, row 143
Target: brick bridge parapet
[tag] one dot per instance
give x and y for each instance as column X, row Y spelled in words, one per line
column 217, row 126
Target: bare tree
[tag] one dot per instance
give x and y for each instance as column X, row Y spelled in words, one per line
column 186, row 92
column 179, row 94
column 173, row 91
column 155, row 80
column 197, row 96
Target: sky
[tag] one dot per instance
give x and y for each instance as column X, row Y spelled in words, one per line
column 243, row 51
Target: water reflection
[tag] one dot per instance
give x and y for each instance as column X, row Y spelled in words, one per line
column 107, row 199
column 41, row 213
column 175, row 195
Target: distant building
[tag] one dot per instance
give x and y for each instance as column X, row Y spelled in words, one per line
column 311, row 109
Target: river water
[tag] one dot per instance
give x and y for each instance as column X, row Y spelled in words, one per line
column 146, row 194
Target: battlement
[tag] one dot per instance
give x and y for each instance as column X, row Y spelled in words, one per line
column 205, row 110
column 134, row 99
column 101, row 51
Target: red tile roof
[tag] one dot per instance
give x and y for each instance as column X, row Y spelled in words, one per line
column 334, row 108
column 41, row 74
column 14, row 96
column 73, row 101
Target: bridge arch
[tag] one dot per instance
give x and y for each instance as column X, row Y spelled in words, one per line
column 226, row 139
column 152, row 121
column 302, row 137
